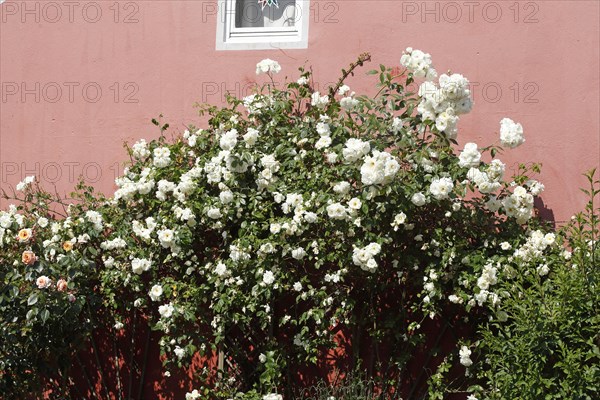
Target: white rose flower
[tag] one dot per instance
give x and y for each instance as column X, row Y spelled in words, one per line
column 470, row 156
column 419, row 63
column 323, row 142
column 226, row 196
column 298, row 253
column 166, row 237
column 161, row 157
column 331, row 157
column 349, row 103
column 440, row 188
column 139, row 265
column 166, row 310
column 193, row 395
column 355, row 149
column 511, row 133
column 319, row 101
column 302, row 81
column 228, row 140
column 250, row 137
column 465, row 356
column 155, row 292
column 267, row 66
column 221, row 269
column 268, row 277
column 355, row 204
column 272, row 396
column 336, row 211
column 342, row 188
column 214, row 213
column 275, row 228
column 179, row 352
column 418, row 199
column 343, row 90
column 310, row 217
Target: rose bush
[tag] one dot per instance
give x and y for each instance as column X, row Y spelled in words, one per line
column 48, row 305
column 292, row 221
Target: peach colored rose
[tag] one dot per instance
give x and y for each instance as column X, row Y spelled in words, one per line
column 28, row 257
column 68, row 245
column 61, row 285
column 24, row 235
column 43, row 282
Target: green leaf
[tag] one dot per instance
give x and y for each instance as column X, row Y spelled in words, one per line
column 31, row 314
column 33, row 298
column 45, row 314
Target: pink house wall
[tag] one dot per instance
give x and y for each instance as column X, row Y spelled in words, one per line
column 78, row 78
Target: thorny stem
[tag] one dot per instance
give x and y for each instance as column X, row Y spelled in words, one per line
column 117, row 367
column 130, row 384
column 362, row 59
column 145, row 362
column 87, row 378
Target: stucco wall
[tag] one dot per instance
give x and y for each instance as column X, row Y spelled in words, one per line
column 536, row 62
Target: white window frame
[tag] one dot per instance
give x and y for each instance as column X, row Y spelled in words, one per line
column 229, row 37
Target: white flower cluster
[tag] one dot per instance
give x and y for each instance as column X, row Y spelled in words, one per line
column 519, row 204
column 229, row 140
column 319, row 101
column 441, row 188
column 95, row 218
column 443, row 104
column 267, row 66
column 257, row 103
column 140, row 150
column 272, row 396
column 250, row 137
column 355, row 150
column 155, row 292
column 535, row 245
column 535, row 187
column 166, row 310
column 511, row 133
column 470, row 156
column 116, row 243
column 419, row 63
column 488, row 181
column 465, row 356
column 162, row 157
column 399, row 219
column 379, row 169
column 324, row 131
column 128, row 187
column 364, row 257
column 166, row 237
column 26, row 182
column 488, row 277
column 348, row 103
column 139, row 265
column 144, row 232
column 270, row 168
column 193, row 395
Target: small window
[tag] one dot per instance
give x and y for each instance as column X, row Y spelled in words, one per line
column 262, row 24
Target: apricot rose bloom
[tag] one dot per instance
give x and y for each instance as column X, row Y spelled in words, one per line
column 24, row 235
column 61, row 285
column 43, row 282
column 67, row 246
column 28, row 257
